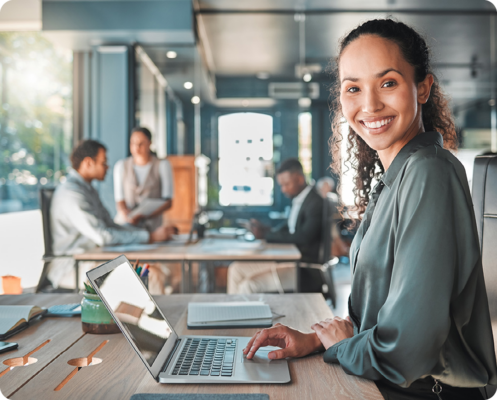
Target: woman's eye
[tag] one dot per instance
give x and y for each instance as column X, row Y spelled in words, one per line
column 389, row 84
column 353, row 89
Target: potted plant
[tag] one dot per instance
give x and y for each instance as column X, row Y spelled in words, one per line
column 94, row 315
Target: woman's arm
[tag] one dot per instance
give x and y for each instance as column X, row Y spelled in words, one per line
column 166, row 206
column 434, row 244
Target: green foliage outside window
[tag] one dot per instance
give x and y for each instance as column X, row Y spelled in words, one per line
column 35, row 117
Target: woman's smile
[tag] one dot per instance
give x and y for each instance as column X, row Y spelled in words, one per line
column 378, row 125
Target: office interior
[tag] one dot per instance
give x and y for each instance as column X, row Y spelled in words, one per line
column 195, row 72
column 229, row 90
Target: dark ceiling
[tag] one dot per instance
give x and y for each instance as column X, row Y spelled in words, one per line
column 244, row 37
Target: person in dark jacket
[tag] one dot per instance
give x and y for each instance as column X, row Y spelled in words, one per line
column 303, row 228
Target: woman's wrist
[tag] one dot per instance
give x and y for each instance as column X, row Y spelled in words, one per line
column 317, row 345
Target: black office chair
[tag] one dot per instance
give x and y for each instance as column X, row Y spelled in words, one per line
column 45, row 197
column 485, row 205
column 326, row 262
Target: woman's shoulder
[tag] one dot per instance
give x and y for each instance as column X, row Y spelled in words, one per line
column 119, row 165
column 433, row 159
column 435, row 164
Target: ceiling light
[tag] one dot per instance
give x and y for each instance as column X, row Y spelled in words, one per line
column 195, row 99
column 262, row 75
column 307, row 77
column 171, row 54
column 187, row 85
column 305, row 102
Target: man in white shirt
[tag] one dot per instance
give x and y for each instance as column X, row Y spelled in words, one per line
column 79, row 220
column 303, row 228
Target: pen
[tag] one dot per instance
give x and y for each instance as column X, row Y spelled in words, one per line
column 139, row 270
column 136, row 264
column 145, row 268
column 145, row 273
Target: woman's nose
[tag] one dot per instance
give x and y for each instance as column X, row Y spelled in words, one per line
column 372, row 102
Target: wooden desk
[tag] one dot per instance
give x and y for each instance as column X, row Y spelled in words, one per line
column 121, row 373
column 204, row 250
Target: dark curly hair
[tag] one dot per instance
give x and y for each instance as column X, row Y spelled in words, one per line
column 436, row 114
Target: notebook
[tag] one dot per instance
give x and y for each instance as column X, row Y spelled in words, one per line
column 14, row 319
column 247, row 314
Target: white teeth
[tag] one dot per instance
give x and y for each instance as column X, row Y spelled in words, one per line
column 378, row 124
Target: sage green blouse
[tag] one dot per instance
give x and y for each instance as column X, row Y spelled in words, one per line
column 418, row 299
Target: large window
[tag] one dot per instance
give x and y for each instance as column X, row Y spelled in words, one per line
column 35, row 117
column 246, row 159
column 305, row 143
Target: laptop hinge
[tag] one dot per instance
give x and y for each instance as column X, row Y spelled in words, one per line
column 171, row 354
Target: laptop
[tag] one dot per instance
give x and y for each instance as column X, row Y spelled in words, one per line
column 171, row 358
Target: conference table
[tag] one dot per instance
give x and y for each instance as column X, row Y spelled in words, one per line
column 203, row 250
column 61, row 350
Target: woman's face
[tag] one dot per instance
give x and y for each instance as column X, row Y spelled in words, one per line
column 139, row 145
column 380, row 99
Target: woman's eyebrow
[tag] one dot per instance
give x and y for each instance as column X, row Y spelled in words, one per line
column 378, row 75
column 383, row 73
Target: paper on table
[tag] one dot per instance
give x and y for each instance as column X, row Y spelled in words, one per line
column 231, row 311
column 147, row 207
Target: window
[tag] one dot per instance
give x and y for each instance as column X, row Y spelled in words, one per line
column 35, row 117
column 246, row 159
column 305, row 143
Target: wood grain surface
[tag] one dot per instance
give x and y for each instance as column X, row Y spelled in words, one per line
column 121, row 373
column 62, row 333
column 235, row 251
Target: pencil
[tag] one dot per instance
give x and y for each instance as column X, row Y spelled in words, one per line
column 136, row 264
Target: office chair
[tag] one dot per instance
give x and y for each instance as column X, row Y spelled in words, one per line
column 45, row 197
column 326, row 262
column 484, row 196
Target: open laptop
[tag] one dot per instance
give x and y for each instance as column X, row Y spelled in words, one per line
column 171, row 358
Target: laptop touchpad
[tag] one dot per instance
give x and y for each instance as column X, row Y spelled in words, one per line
column 261, row 356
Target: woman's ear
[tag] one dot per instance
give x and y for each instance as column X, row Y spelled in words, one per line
column 424, row 89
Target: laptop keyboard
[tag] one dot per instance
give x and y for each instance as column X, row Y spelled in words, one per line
column 206, row 357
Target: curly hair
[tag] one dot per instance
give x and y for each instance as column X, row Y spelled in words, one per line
column 436, row 115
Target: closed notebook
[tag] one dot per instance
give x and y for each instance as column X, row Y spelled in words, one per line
column 14, row 319
column 230, row 314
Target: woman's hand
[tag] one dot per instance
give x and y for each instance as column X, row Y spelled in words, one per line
column 136, row 219
column 331, row 331
column 293, row 342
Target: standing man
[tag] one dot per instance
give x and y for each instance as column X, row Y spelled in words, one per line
column 79, row 220
column 303, row 228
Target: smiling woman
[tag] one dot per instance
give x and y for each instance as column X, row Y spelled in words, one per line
column 377, row 98
column 418, row 320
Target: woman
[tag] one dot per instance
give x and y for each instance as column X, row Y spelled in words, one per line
column 139, row 177
column 418, row 318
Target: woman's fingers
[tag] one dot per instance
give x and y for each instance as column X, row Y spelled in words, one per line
column 251, row 341
column 279, row 354
column 267, row 337
column 259, row 342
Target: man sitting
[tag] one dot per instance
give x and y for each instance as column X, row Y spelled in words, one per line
column 79, row 220
column 303, row 228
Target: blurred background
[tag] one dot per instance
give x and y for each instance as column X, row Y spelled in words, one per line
column 237, row 85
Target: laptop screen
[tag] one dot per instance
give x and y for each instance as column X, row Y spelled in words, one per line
column 132, row 305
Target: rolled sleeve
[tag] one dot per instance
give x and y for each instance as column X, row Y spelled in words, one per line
column 118, row 181
column 166, row 176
